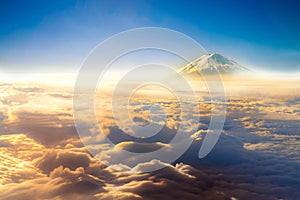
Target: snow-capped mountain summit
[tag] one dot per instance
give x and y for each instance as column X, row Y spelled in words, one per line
column 213, row 63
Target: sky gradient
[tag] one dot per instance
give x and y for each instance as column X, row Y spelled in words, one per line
column 56, row 36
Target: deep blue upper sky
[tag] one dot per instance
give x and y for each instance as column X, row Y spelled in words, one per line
column 57, row 35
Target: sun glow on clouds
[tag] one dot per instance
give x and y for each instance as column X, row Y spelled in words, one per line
column 43, row 158
column 16, row 153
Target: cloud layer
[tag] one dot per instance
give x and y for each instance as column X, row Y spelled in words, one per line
column 257, row 156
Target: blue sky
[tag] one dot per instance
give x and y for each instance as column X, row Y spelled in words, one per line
column 55, row 36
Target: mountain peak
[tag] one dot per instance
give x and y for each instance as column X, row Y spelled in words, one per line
column 213, row 63
column 214, row 54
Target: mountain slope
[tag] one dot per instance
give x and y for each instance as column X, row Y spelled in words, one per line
column 213, row 63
